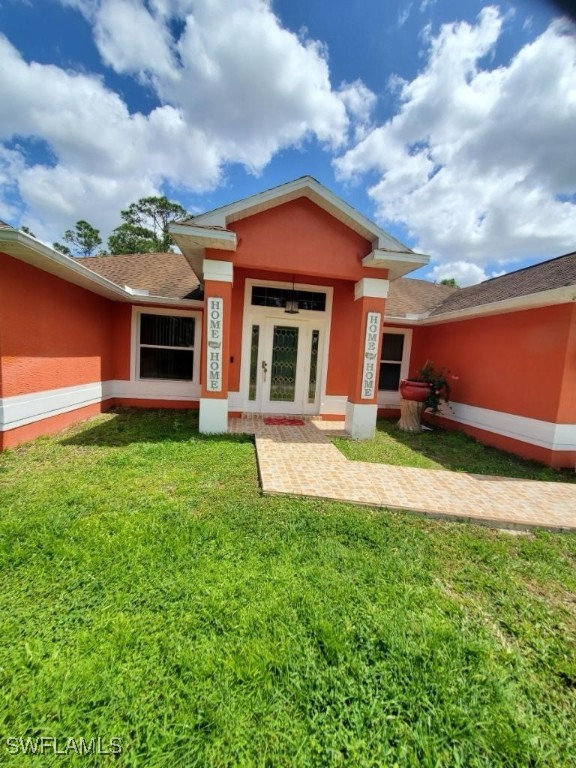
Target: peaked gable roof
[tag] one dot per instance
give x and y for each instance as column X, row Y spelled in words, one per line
column 213, row 228
column 305, row 186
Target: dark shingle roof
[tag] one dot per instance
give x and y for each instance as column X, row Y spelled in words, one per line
column 410, row 296
column 162, row 274
column 169, row 275
column 555, row 273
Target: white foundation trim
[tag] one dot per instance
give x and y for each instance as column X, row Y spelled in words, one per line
column 371, row 287
column 546, row 434
column 213, row 418
column 19, row 410
column 221, row 271
column 361, row 420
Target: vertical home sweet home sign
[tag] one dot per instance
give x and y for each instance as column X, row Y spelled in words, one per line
column 370, row 355
column 214, row 346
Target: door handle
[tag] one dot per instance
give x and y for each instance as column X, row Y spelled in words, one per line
column 264, row 369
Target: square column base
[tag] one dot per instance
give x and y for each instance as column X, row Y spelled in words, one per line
column 361, row 420
column 213, row 416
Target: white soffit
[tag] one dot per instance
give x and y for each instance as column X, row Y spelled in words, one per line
column 398, row 263
column 189, row 236
column 193, row 242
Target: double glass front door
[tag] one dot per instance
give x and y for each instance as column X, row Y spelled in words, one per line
column 284, row 366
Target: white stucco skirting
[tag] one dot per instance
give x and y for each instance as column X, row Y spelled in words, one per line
column 546, row 434
column 19, row 410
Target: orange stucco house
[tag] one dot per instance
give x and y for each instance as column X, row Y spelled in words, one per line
column 287, row 302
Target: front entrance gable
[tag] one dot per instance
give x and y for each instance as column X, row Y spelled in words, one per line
column 299, row 221
column 300, row 237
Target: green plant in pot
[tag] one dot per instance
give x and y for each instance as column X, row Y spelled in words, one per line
column 438, row 381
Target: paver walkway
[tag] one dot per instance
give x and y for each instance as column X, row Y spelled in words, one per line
column 302, row 461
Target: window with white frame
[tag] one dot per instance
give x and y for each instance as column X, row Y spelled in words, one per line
column 392, row 358
column 166, row 347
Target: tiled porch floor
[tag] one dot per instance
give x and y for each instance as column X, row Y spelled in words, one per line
column 302, row 461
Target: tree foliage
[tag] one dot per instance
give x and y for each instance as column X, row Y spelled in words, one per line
column 83, row 240
column 62, row 249
column 145, row 226
column 128, row 238
column 450, row 281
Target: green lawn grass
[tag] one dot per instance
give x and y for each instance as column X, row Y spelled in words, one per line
column 444, row 449
column 149, row 592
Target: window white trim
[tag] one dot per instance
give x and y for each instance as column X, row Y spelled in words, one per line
column 389, row 397
column 165, row 388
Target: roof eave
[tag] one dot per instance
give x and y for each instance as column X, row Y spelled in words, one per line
column 398, row 263
column 31, row 251
column 564, row 295
column 193, row 242
column 28, row 249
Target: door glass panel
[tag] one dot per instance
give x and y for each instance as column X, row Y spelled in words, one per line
column 253, row 362
column 284, row 355
column 313, row 366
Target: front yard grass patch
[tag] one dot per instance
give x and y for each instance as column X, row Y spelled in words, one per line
column 444, row 449
column 149, row 592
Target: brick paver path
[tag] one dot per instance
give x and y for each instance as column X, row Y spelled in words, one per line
column 302, row 461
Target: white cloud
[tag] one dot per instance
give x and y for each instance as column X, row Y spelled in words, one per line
column 463, row 272
column 476, row 157
column 404, row 14
column 11, row 166
column 235, row 73
column 105, row 156
column 131, row 40
column 234, row 87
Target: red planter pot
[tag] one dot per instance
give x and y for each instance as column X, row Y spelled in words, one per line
column 414, row 390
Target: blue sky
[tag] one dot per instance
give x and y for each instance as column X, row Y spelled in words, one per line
column 450, row 124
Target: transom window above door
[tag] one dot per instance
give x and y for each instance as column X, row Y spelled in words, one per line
column 270, row 296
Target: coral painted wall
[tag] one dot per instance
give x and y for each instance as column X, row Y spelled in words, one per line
column 522, row 363
column 299, row 237
column 121, row 338
column 567, row 400
column 54, row 334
